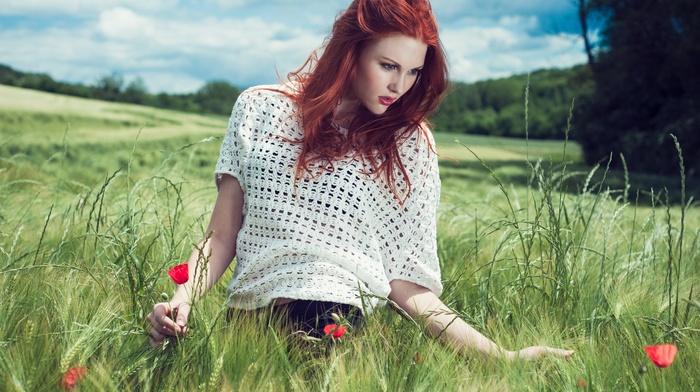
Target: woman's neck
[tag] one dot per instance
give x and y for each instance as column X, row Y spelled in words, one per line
column 345, row 112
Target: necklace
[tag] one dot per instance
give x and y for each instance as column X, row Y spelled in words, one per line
column 338, row 127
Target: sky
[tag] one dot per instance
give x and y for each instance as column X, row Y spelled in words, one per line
column 176, row 46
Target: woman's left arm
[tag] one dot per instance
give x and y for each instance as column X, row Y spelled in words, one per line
column 423, row 305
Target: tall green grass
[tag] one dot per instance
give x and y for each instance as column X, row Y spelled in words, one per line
column 533, row 252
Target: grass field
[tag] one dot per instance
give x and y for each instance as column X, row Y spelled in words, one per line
column 99, row 200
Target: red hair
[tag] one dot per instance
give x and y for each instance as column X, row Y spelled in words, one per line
column 323, row 80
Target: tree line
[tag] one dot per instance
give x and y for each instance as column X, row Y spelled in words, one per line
column 533, row 105
column 492, row 107
column 215, row 97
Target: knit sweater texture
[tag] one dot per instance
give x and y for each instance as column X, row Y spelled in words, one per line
column 340, row 235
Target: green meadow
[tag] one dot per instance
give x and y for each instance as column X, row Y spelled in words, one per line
column 98, row 200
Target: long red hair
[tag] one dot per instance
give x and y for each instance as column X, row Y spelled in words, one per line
column 323, row 80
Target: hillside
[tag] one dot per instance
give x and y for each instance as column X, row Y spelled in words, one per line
column 37, row 128
column 31, row 120
column 92, row 120
column 490, row 107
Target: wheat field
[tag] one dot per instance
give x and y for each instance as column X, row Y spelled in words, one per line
column 99, row 200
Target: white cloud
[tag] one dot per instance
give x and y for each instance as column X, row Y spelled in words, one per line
column 176, row 46
column 171, row 54
column 157, row 81
column 478, row 53
column 228, row 4
column 519, row 22
column 79, row 7
column 123, row 24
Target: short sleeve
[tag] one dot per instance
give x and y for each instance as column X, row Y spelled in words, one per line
column 237, row 140
column 409, row 231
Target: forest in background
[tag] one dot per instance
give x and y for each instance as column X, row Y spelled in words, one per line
column 644, row 56
column 215, row 97
column 634, row 104
column 491, row 107
column 538, row 104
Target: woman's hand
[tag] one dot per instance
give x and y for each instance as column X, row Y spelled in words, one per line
column 539, row 352
column 166, row 320
column 422, row 304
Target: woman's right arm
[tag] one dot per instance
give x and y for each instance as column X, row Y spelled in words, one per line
column 218, row 247
column 422, row 304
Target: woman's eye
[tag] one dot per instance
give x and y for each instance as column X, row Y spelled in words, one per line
column 414, row 71
column 390, row 67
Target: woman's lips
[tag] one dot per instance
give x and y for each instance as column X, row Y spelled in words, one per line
column 386, row 101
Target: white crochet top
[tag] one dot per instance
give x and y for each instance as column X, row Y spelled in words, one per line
column 340, row 236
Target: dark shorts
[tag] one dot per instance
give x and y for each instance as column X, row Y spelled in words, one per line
column 312, row 316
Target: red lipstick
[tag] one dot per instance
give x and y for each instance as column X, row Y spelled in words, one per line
column 386, row 101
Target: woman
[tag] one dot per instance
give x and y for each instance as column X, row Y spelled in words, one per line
column 328, row 186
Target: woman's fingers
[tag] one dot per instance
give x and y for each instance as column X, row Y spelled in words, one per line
column 156, row 334
column 183, row 313
column 561, row 352
column 537, row 352
column 556, row 352
column 162, row 324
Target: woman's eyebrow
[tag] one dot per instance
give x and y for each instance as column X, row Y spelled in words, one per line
column 396, row 63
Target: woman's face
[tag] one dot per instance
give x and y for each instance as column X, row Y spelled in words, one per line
column 387, row 69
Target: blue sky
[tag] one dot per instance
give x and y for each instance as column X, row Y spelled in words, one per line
column 178, row 45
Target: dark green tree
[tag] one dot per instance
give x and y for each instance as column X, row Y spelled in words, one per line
column 109, row 87
column 647, row 85
column 136, row 92
column 216, row 97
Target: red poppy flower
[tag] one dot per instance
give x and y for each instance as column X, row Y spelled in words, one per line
column 73, row 377
column 662, row 355
column 179, row 273
column 337, row 331
column 580, row 383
